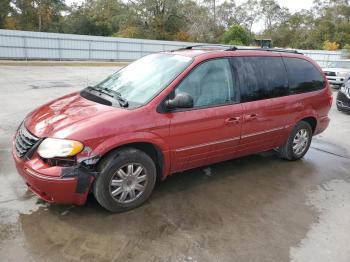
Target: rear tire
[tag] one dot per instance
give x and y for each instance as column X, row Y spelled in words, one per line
column 126, row 180
column 298, row 142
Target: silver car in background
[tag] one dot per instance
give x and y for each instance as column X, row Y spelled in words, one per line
column 338, row 72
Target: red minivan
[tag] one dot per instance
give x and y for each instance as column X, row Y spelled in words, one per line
column 169, row 112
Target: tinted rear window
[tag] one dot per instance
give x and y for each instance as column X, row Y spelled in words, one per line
column 303, row 76
column 261, row 77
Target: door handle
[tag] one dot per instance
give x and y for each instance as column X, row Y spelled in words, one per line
column 232, row 120
column 251, row 117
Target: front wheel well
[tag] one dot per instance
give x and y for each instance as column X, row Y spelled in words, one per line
column 312, row 121
column 150, row 149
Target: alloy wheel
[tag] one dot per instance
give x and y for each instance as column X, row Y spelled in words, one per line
column 128, row 183
column 301, row 141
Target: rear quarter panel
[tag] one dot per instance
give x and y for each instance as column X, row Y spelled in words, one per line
column 315, row 104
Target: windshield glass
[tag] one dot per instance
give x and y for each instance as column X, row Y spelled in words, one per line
column 340, row 64
column 140, row 81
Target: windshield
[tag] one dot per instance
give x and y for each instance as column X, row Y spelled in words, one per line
column 140, row 81
column 340, row 64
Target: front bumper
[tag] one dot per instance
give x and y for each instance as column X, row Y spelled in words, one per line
column 343, row 102
column 48, row 183
column 336, row 80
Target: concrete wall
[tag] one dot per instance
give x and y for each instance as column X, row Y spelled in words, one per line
column 27, row 45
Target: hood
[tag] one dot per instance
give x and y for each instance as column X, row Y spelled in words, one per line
column 67, row 111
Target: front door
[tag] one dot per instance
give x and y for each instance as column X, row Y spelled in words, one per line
column 210, row 131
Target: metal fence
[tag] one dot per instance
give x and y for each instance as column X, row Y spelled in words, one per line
column 25, row 45
column 324, row 58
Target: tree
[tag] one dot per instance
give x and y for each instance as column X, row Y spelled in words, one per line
column 226, row 14
column 98, row 17
column 294, row 31
column 235, row 35
column 39, row 15
column 5, row 9
column 309, row 29
column 206, row 21
column 198, row 22
column 248, row 14
column 272, row 14
column 161, row 19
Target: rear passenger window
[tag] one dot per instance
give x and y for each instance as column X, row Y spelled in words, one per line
column 261, row 77
column 303, row 76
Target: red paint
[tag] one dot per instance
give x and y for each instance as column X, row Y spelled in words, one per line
column 186, row 139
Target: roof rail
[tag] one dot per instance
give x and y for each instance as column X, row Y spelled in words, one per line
column 235, row 48
column 205, row 46
column 281, row 50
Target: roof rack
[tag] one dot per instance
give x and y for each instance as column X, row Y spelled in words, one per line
column 205, row 46
column 235, row 48
column 281, row 50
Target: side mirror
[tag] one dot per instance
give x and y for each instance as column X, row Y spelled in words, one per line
column 181, row 100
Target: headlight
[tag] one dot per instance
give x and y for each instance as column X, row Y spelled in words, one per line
column 52, row 147
column 343, row 74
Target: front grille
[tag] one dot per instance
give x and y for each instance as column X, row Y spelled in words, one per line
column 24, row 141
column 330, row 73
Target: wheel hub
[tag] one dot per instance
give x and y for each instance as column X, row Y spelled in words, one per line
column 128, row 183
column 301, row 141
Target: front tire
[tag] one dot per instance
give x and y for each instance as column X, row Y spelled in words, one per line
column 298, row 142
column 126, row 180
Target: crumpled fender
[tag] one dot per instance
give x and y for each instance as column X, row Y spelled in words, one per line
column 113, row 142
column 84, row 171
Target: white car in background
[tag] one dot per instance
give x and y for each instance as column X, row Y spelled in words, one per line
column 338, row 72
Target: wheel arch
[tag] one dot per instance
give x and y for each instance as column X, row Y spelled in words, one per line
column 151, row 149
column 312, row 121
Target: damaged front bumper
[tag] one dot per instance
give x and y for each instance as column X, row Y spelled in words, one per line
column 56, row 184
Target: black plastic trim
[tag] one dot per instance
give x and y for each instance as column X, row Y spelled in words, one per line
column 84, row 171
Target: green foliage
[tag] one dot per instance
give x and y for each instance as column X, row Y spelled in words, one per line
column 235, row 35
column 38, row 15
column 129, row 32
column 5, row 9
column 186, row 20
column 327, row 20
column 96, row 17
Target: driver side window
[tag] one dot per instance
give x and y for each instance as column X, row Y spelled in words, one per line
column 209, row 84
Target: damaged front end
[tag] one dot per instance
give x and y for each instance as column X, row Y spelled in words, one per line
column 62, row 180
column 85, row 172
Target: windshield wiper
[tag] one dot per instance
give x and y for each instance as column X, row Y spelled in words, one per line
column 114, row 94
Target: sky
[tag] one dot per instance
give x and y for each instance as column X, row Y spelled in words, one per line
column 293, row 5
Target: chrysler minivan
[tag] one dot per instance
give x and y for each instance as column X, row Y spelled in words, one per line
column 169, row 112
